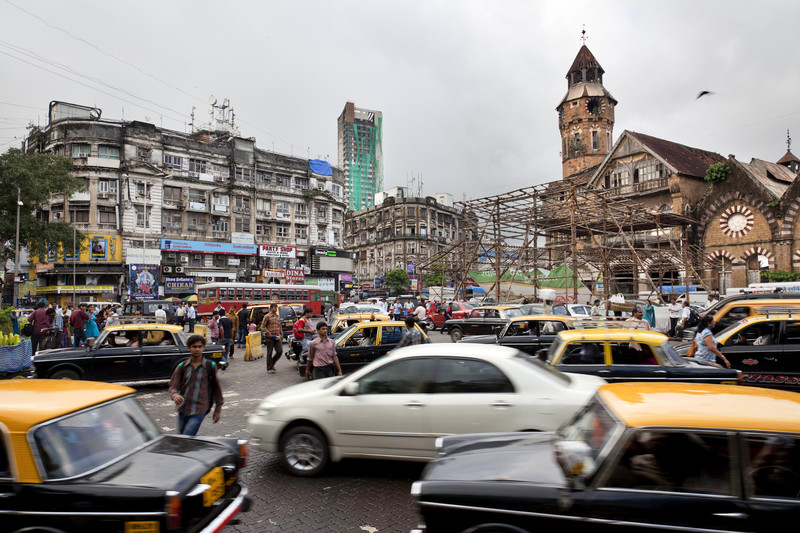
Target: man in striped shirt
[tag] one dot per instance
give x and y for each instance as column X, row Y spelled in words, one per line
column 195, row 387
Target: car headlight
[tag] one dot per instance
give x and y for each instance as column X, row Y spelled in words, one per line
column 264, row 409
column 416, row 489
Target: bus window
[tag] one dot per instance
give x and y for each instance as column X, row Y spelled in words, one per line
column 238, row 294
column 203, row 293
column 223, row 294
column 291, row 295
column 313, row 295
column 305, row 296
column 282, row 294
column 256, row 294
column 248, row 294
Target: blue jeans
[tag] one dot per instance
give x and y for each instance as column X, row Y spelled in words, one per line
column 242, row 338
column 306, row 342
column 189, row 424
column 227, row 343
column 80, row 336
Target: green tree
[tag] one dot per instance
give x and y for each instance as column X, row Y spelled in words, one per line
column 397, row 280
column 436, row 273
column 38, row 176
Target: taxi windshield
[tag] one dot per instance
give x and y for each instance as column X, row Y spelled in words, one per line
column 86, row 440
column 594, row 426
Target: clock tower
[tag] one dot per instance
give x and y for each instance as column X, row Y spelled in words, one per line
column 585, row 117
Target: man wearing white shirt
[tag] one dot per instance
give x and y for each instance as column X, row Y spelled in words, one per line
column 161, row 315
column 420, row 312
column 674, row 314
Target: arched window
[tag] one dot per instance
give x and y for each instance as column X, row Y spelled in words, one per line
column 756, row 264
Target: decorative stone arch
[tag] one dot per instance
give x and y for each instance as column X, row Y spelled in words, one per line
column 716, row 254
column 757, row 250
column 796, row 261
column 789, row 219
column 714, row 208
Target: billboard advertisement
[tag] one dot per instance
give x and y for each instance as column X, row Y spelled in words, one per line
column 144, row 282
column 280, row 252
column 176, row 245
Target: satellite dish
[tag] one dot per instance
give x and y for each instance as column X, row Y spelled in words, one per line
column 212, row 100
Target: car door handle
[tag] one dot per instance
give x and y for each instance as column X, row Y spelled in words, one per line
column 604, row 371
column 415, row 404
column 659, row 372
column 501, row 404
column 732, row 515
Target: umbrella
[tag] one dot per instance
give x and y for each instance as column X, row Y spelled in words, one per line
column 190, row 298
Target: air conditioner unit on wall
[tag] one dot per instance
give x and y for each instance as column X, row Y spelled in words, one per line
column 184, row 258
column 166, row 269
column 180, row 270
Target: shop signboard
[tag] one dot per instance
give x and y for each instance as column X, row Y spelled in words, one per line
column 178, row 284
column 295, row 276
column 280, row 252
column 208, row 247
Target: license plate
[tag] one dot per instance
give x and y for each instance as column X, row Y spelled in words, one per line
column 216, row 355
column 216, row 486
column 141, row 527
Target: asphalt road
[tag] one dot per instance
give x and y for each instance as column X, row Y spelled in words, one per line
column 351, row 496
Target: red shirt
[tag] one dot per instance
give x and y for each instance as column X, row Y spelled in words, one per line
column 40, row 320
column 78, row 319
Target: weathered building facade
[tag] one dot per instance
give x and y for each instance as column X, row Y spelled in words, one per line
column 399, row 232
column 208, row 205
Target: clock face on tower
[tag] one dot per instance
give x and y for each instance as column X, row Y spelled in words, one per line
column 736, row 221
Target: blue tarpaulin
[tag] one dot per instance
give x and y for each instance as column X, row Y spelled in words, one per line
column 318, row 166
column 477, row 290
column 676, row 289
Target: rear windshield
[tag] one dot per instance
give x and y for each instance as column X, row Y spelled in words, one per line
column 87, row 440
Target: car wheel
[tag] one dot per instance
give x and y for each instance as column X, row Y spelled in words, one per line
column 494, row 528
column 456, row 334
column 305, row 451
column 65, row 374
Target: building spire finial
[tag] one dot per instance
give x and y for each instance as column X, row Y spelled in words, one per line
column 583, row 35
column 788, row 141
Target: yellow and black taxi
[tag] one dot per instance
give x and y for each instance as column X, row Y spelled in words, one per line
column 127, row 352
column 343, row 321
column 364, row 342
column 527, row 333
column 619, row 354
column 286, row 312
column 638, row 457
column 480, row 321
column 765, row 347
column 78, row 456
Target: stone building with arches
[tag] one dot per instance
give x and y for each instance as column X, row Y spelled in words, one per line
column 743, row 226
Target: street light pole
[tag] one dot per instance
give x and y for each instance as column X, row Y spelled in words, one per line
column 16, row 251
column 75, row 256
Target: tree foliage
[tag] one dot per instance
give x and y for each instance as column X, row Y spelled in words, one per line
column 397, row 280
column 780, row 275
column 436, row 273
column 38, row 176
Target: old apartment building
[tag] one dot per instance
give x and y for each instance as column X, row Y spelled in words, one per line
column 207, row 204
column 400, row 231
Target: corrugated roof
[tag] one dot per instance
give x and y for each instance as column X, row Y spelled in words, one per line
column 685, row 159
column 580, row 90
column 788, row 158
column 774, row 177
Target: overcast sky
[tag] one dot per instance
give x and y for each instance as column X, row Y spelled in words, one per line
column 468, row 89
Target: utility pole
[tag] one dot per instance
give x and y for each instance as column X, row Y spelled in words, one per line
column 75, row 257
column 16, row 252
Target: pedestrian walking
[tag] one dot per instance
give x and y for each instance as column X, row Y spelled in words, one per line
column 322, row 355
column 226, row 333
column 674, row 314
column 161, row 315
column 213, row 327
column 273, row 337
column 412, row 335
column 78, row 319
column 397, row 310
column 92, row 330
column 235, row 320
column 180, row 314
column 244, row 317
column 650, row 313
column 195, row 388
column 191, row 316
column 41, row 324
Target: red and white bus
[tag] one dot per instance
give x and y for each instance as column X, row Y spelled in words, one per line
column 255, row 293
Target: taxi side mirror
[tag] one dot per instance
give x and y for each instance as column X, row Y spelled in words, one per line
column 351, row 389
column 542, row 354
column 90, row 343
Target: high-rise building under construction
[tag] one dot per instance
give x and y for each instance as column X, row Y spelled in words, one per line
column 361, row 154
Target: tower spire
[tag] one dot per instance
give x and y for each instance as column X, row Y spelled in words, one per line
column 583, row 36
column 788, row 141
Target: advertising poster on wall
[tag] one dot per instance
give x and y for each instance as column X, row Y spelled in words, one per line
column 144, row 282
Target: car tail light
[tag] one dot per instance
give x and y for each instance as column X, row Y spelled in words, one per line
column 242, row 453
column 174, row 510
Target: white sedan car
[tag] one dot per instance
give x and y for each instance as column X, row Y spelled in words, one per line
column 396, row 407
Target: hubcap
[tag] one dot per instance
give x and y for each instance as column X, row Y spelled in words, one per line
column 304, row 452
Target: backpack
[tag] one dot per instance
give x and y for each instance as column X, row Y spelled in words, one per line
column 693, row 319
column 210, row 375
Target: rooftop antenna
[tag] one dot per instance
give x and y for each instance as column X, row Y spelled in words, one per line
column 192, row 122
column 788, row 141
